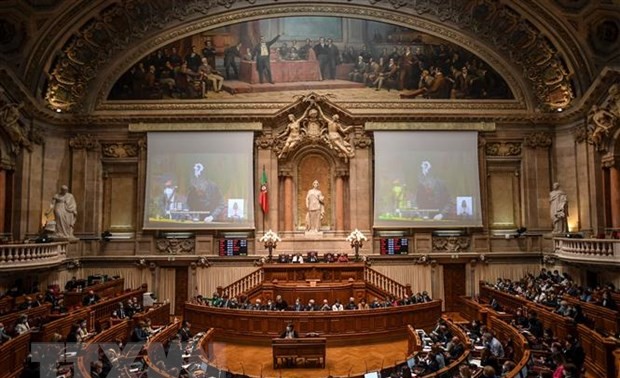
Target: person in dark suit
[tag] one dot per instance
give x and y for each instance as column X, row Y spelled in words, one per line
column 262, row 54
column 321, row 50
column 3, row 335
column 289, row 332
column 139, row 334
column 185, row 333
column 607, row 301
column 90, row 299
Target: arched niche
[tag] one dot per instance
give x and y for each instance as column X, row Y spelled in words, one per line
column 303, row 166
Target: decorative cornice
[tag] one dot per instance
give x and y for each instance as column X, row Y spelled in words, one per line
column 539, row 139
column 451, row 243
column 84, row 142
column 503, row 149
column 120, row 150
column 173, row 246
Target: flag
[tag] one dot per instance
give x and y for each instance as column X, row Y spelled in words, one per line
column 263, row 197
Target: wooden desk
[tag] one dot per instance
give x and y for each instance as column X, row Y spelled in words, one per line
column 304, row 349
column 13, row 353
column 338, row 326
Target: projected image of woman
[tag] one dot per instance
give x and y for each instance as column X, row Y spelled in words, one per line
column 432, row 198
column 204, row 196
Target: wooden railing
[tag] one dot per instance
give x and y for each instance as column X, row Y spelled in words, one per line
column 158, row 315
column 599, row 352
column 386, row 284
column 13, row 354
column 593, row 250
column 105, row 289
column 23, row 256
column 244, row 284
column 36, row 316
column 414, row 343
column 603, row 318
column 119, row 331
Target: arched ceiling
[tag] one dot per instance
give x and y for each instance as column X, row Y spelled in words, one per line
column 72, row 52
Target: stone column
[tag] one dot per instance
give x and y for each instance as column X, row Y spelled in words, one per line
column 614, row 192
column 340, row 200
column 288, row 201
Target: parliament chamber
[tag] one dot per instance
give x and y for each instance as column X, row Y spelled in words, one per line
column 275, row 188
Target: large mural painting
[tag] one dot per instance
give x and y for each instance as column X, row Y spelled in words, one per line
column 262, row 58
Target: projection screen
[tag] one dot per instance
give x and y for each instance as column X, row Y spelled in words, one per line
column 426, row 179
column 199, row 180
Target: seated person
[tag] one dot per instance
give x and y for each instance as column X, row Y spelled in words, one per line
column 325, row 306
column 90, row 299
column 281, row 304
column 351, row 305
column 363, row 305
column 343, row 258
column 329, row 257
column 298, row 259
column 337, row 306
column 22, row 325
column 311, row 306
column 139, row 333
column 282, row 258
column 312, row 257
column 289, row 332
column 3, row 335
column 82, row 331
column 185, row 333
column 298, row 306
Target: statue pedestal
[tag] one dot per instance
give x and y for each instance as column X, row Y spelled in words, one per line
column 313, row 234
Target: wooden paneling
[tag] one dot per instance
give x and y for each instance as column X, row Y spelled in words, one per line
column 340, row 325
column 180, row 289
column 599, row 353
column 454, row 285
column 104, row 290
column 119, row 199
column 13, row 353
column 504, row 195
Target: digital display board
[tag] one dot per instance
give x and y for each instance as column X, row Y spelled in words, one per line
column 394, row 246
column 233, row 247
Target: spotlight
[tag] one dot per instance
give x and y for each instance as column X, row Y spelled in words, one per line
column 58, row 110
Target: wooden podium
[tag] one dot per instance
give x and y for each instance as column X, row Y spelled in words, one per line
column 302, row 350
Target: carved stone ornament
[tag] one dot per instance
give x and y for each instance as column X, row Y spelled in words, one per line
column 10, row 123
column 119, row 150
column 451, row 243
column 503, row 149
column 124, row 23
column 84, row 142
column 363, row 141
column 315, row 127
column 580, row 133
column 264, row 142
column 539, row 139
column 173, row 246
column 604, row 120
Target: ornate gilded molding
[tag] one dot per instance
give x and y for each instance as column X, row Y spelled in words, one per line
column 503, row 149
column 451, row 243
column 84, row 142
column 120, row 150
column 362, row 141
column 539, row 139
column 174, row 246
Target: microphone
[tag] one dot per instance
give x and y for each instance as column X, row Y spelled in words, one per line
column 351, row 368
column 366, row 363
column 261, row 370
column 242, row 368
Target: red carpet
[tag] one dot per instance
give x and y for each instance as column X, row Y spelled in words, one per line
column 235, row 86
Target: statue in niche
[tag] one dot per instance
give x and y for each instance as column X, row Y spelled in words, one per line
column 64, row 207
column 316, row 208
column 558, row 202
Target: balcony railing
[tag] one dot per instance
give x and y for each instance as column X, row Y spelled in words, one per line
column 23, row 256
column 592, row 250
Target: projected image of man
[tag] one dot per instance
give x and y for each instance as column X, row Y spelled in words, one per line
column 204, row 199
column 432, row 197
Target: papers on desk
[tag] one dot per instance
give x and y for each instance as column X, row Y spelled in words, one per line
column 478, row 347
column 70, row 354
column 426, row 349
column 475, row 361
